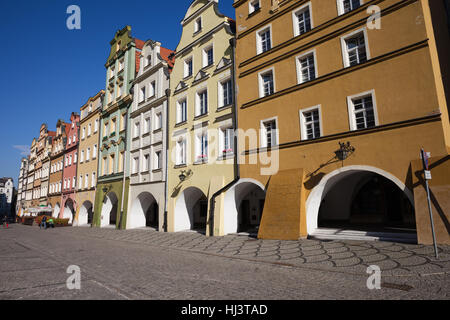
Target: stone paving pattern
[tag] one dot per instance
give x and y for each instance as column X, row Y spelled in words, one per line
column 145, row 264
column 394, row 259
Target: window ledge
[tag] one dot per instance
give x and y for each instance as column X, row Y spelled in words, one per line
column 179, row 124
column 201, row 116
column 179, row 166
column 254, row 13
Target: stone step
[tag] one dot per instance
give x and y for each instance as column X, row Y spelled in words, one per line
column 340, row 234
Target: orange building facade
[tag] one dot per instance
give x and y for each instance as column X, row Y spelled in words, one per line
column 335, row 99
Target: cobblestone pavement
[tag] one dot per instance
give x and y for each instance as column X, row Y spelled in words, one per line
column 394, row 259
column 145, row 264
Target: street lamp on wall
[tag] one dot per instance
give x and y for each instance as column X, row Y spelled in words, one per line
column 345, row 150
column 184, row 174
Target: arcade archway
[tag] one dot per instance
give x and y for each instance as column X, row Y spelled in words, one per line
column 243, row 206
column 191, row 210
column 109, row 210
column 144, row 212
column 361, row 198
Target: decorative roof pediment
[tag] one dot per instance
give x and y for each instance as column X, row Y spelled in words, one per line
column 181, row 86
column 201, row 75
column 224, row 62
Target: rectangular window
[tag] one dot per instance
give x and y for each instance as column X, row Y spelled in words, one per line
column 142, row 95
column 266, row 84
column 106, row 129
column 306, row 68
column 348, row 5
column 80, row 182
column 121, row 160
column 254, row 6
column 82, row 156
column 269, row 137
column 310, row 123
column 181, row 152
column 158, row 161
column 227, row 93
column 83, row 133
column 93, row 181
column 89, row 130
column 135, row 166
column 182, row 111
column 111, row 164
column 202, row 100
column 264, row 40
column 137, row 129
column 363, row 113
column 94, row 152
column 202, row 152
column 88, row 154
column 208, row 56
column 104, row 166
column 153, row 89
column 147, row 125
column 145, row 163
column 113, row 125
column 198, row 25
column 302, row 21
column 355, row 50
column 86, row 181
column 188, row 67
column 158, row 121
column 96, row 126
column 227, row 140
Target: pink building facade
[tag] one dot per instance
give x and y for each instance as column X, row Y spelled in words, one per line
column 69, row 180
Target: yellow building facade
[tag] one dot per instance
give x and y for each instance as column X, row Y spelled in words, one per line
column 201, row 121
column 87, row 166
column 344, row 95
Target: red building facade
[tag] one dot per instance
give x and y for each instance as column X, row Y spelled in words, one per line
column 69, row 180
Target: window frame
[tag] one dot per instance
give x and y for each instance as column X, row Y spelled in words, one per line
column 344, row 38
column 263, row 133
column 340, row 7
column 261, row 84
column 351, row 109
column 299, row 67
column 259, row 49
column 303, row 133
column 295, row 12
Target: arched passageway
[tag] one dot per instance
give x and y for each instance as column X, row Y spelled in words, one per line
column 191, row 210
column 243, row 207
column 361, row 199
column 69, row 211
column 56, row 211
column 86, row 214
column 144, row 212
column 109, row 210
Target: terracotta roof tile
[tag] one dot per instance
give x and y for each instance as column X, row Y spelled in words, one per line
column 168, row 55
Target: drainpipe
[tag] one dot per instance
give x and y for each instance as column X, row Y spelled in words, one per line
column 237, row 173
column 124, row 166
column 165, row 226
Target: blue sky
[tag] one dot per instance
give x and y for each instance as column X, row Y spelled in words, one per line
column 48, row 71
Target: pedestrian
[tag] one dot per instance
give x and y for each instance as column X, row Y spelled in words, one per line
column 5, row 222
column 51, row 223
column 43, row 222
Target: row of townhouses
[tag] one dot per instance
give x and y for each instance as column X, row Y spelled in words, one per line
column 301, row 118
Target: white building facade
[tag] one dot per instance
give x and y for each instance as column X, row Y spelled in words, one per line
column 146, row 205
